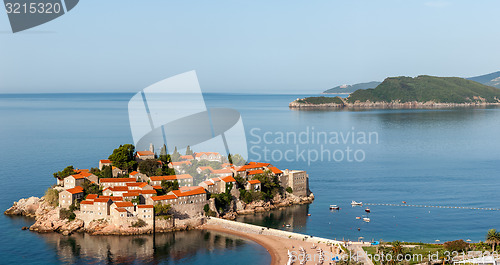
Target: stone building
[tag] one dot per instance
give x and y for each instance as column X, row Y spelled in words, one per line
column 298, row 180
column 67, row 197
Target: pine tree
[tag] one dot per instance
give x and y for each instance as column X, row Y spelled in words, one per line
column 189, row 151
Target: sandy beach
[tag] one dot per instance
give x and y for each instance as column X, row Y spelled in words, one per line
column 278, row 247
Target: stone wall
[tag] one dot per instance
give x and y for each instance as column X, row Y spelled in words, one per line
column 254, row 229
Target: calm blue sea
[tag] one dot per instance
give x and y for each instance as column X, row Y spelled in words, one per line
column 427, row 157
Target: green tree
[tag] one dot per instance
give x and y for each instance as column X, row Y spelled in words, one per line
column 229, row 158
column 269, row 185
column 136, row 200
column 149, row 167
column 123, row 157
column 175, row 155
column 168, row 186
column 164, row 156
column 96, row 172
column 66, row 214
column 106, row 172
column 89, row 188
column 139, row 223
column 289, row 190
column 68, row 171
column 162, row 209
column 189, row 151
column 457, row 245
column 52, row 197
column 240, row 181
column 237, row 160
column 493, row 238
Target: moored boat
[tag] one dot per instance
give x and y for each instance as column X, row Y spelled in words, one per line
column 367, row 210
column 334, row 207
column 366, row 219
column 355, row 203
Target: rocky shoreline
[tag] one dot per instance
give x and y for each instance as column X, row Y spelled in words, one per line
column 47, row 217
column 389, row 105
column 240, row 208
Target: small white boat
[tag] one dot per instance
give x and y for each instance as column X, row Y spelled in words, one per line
column 357, row 217
column 366, row 219
column 355, row 203
column 334, row 207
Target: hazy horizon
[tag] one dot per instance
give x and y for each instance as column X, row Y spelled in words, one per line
column 281, row 47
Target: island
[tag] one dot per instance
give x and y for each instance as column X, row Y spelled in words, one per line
column 144, row 192
column 419, row 92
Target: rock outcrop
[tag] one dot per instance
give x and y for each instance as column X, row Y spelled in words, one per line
column 26, row 207
column 276, row 203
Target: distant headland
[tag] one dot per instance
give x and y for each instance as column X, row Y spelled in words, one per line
column 422, row 92
column 491, row 79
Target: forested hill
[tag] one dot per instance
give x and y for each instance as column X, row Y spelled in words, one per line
column 428, row 88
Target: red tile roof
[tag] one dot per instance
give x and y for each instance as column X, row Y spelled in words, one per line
column 145, row 206
column 136, row 184
column 102, row 199
column 164, row 197
column 205, row 168
column 171, row 177
column 87, row 202
column 105, row 161
column 117, row 188
column 259, row 164
column 228, row 179
column 133, row 173
column 124, row 204
column 189, row 157
column 181, row 163
column 157, row 187
column 75, row 190
column 206, row 153
column 254, row 172
column 275, row 170
column 199, row 190
column 91, row 196
column 145, row 153
column 133, row 193
column 121, row 210
column 208, row 182
column 116, row 198
column 147, row 191
column 222, row 171
column 254, row 181
column 77, row 176
column 109, row 180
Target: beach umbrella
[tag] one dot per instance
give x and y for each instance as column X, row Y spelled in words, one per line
column 468, row 240
column 437, row 240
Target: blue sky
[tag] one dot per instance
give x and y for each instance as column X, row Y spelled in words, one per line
column 249, row 46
